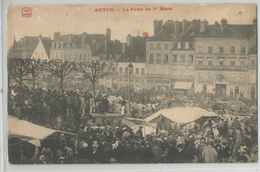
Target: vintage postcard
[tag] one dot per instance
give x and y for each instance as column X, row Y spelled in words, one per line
column 153, row 83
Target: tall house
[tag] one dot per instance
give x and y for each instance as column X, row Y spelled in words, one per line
column 79, row 48
column 170, row 51
column 221, row 58
column 25, row 47
column 136, row 55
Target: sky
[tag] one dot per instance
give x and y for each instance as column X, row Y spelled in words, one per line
column 76, row 19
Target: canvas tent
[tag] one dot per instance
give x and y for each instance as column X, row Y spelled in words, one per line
column 180, row 115
column 134, row 123
column 28, row 131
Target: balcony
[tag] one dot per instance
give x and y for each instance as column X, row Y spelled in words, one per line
column 158, row 75
column 151, row 61
column 182, row 77
column 218, row 67
column 158, row 61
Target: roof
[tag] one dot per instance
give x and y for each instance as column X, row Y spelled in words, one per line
column 231, row 31
column 181, row 115
column 253, row 50
column 22, row 129
column 165, row 34
column 47, row 46
column 113, row 48
column 135, row 49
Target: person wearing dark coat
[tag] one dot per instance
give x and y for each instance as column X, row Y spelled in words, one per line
column 172, row 153
column 200, row 149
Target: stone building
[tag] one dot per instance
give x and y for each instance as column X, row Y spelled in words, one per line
column 221, row 58
column 25, row 47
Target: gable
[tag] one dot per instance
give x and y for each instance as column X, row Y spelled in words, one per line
column 40, row 52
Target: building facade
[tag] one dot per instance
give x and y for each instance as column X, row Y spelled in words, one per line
column 222, row 55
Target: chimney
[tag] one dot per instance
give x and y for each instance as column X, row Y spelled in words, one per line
column 203, row 26
column 185, row 25
column 57, row 36
column 129, row 39
column 39, row 37
column 223, row 24
column 57, row 45
column 108, row 34
column 84, row 35
column 123, row 47
column 254, row 25
column 157, row 26
column 177, row 29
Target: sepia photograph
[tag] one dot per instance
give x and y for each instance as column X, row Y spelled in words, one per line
column 139, row 83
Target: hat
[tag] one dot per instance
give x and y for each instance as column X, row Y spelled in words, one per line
column 85, row 145
column 62, row 134
column 242, row 150
column 210, row 140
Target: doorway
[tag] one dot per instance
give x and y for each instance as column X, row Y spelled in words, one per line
column 221, row 89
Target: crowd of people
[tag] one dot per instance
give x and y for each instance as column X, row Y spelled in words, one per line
column 230, row 138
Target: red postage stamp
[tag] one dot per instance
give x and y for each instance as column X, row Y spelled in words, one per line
column 27, row 12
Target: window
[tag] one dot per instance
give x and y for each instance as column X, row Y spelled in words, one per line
column 126, row 70
column 126, row 58
column 120, row 70
column 243, row 50
column 137, row 58
column 232, row 76
column 210, row 50
column 166, row 46
column 182, row 57
column 66, row 57
column 80, row 56
column 151, row 60
column 174, row 58
column 210, row 63
column 158, row 46
column 252, row 63
column 158, row 60
column 166, row 59
column 113, row 69
column 178, row 45
column 84, row 57
column 233, row 50
column 61, row 54
column 242, row 63
column 200, row 63
column 221, row 50
column 200, row 75
column 136, row 70
column 232, row 63
column 151, row 46
column 209, row 75
column 204, row 89
column 76, row 57
column 191, row 57
column 187, row 45
column 70, row 57
column 142, row 71
column 221, row 63
column 242, row 76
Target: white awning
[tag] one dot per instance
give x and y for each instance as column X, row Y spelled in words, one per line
column 183, row 85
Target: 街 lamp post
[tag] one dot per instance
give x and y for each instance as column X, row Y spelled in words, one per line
column 130, row 69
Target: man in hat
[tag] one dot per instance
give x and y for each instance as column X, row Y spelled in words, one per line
column 200, row 149
column 225, row 151
column 157, row 152
column 241, row 158
column 209, row 154
column 139, row 133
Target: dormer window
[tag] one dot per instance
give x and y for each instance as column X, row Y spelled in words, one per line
column 126, row 58
column 137, row 58
column 187, row 45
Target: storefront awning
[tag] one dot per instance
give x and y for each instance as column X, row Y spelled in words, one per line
column 183, row 85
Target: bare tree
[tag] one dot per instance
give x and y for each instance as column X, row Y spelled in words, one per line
column 60, row 69
column 93, row 71
column 35, row 67
column 18, row 70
